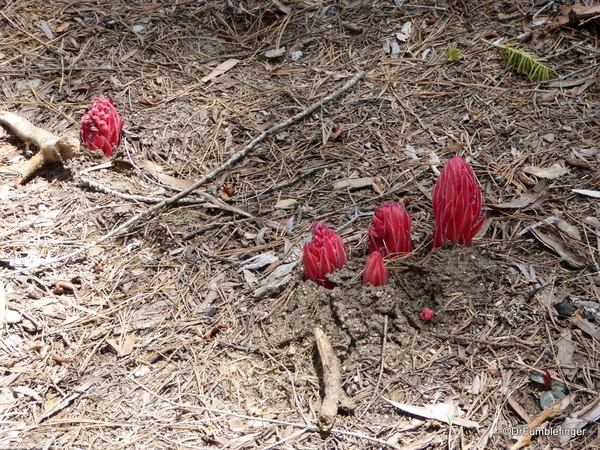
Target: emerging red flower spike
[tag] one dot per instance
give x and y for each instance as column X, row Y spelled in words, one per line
column 456, row 202
column 390, row 231
column 375, row 272
column 547, row 379
column 101, row 127
column 323, row 255
column 426, row 315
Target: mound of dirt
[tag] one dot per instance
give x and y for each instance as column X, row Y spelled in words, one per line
column 353, row 315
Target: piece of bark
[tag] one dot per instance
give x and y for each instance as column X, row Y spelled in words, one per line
column 52, row 148
column 335, row 398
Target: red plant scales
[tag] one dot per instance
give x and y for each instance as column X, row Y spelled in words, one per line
column 426, row 315
column 456, row 200
column 101, row 127
column 322, row 255
column 375, row 272
column 390, row 230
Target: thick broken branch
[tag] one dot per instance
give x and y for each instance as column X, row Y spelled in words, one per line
column 335, row 398
column 52, row 148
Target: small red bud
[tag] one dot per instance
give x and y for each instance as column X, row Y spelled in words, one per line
column 547, row 379
column 426, row 315
column 375, row 272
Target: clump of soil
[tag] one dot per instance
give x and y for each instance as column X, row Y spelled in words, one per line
column 451, row 282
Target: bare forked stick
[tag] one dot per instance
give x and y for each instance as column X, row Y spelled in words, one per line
column 52, row 148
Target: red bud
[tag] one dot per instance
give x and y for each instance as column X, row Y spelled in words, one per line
column 375, row 272
column 390, row 230
column 101, row 127
column 547, row 379
column 426, row 315
column 323, row 255
column 456, row 200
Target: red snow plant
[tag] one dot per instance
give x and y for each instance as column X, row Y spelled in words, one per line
column 456, row 202
column 426, row 315
column 101, row 127
column 375, row 272
column 390, row 231
column 322, row 255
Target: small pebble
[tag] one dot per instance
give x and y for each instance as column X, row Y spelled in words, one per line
column 564, row 308
column 13, row 316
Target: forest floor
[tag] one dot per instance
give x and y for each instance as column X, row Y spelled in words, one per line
column 164, row 333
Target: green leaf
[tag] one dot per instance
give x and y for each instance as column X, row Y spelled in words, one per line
column 548, row 398
column 525, row 62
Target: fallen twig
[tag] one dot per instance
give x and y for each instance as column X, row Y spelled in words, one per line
column 52, row 148
column 207, row 199
column 209, row 176
column 335, row 397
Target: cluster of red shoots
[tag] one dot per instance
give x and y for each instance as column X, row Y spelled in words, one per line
column 456, row 200
column 322, row 255
column 101, row 127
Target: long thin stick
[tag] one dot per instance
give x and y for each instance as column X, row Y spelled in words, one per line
column 209, row 176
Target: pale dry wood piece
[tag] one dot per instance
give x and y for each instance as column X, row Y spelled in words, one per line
column 335, row 397
column 52, row 148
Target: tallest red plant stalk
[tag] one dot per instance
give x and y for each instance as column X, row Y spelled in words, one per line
column 456, row 202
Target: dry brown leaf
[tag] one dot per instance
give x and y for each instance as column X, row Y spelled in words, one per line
column 575, row 14
column 551, row 173
column 554, row 241
column 286, row 203
column 565, row 348
column 128, row 344
column 535, row 195
column 568, row 229
column 123, row 348
column 586, row 326
column 585, row 416
column 220, row 70
column 157, row 172
column 227, row 190
column 58, row 359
